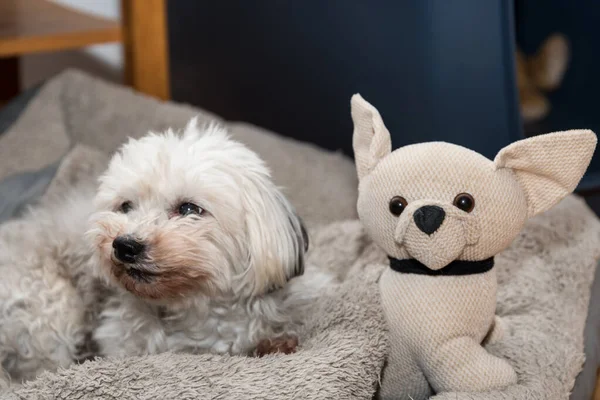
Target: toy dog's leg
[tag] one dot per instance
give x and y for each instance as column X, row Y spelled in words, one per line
column 496, row 332
column 402, row 377
column 462, row 365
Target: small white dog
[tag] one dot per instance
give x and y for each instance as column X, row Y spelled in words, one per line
column 184, row 248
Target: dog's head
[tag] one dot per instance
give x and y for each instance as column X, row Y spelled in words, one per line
column 437, row 202
column 197, row 213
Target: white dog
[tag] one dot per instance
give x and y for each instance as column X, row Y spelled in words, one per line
column 184, row 248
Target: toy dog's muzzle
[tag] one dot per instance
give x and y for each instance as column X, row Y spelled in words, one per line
column 435, row 233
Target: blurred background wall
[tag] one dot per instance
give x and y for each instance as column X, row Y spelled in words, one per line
column 436, row 70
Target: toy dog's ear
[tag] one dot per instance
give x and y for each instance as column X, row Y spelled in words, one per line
column 371, row 141
column 548, row 167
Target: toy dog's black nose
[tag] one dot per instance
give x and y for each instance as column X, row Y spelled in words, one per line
column 127, row 249
column 429, row 218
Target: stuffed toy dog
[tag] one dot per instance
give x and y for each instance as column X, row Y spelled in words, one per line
column 441, row 212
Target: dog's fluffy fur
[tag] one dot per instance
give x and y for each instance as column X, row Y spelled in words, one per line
column 213, row 281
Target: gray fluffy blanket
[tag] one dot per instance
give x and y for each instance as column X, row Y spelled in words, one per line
column 544, row 277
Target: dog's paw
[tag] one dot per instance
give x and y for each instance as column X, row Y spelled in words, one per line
column 285, row 344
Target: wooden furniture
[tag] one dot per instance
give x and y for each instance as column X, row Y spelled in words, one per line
column 146, row 46
column 29, row 26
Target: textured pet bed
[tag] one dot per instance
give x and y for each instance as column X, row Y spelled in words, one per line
column 544, row 277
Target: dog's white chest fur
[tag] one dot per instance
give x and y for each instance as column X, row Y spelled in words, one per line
column 202, row 325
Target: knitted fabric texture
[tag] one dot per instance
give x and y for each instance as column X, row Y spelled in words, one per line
column 437, row 324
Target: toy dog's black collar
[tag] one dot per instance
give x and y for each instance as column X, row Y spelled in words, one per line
column 457, row 267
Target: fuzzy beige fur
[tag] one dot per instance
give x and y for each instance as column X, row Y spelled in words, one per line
column 438, row 322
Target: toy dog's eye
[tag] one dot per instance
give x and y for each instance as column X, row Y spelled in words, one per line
column 465, row 202
column 189, row 208
column 397, row 205
column 126, row 207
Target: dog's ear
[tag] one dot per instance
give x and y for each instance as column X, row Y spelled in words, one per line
column 277, row 240
column 371, row 140
column 305, row 239
column 548, row 167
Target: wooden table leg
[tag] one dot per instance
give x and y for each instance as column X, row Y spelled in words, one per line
column 9, row 81
column 145, row 46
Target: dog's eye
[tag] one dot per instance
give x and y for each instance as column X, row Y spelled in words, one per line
column 126, row 207
column 189, row 208
column 397, row 205
column 465, row 202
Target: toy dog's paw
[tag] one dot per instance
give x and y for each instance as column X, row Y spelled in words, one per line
column 285, row 344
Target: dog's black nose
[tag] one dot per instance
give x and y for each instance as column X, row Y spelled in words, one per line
column 127, row 249
column 429, row 218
